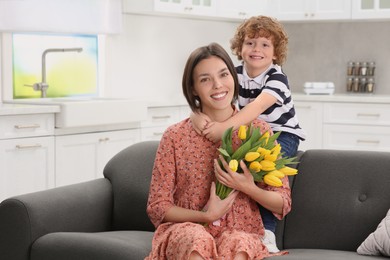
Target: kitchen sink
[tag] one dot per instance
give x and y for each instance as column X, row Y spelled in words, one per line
column 92, row 111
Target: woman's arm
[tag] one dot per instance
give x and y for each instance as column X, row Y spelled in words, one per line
column 216, row 208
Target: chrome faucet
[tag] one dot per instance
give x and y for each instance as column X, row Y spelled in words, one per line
column 43, row 86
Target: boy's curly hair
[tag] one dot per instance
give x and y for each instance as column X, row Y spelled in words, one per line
column 262, row 26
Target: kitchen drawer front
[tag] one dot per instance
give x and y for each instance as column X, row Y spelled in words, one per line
column 18, row 126
column 152, row 133
column 353, row 137
column 162, row 116
column 357, row 113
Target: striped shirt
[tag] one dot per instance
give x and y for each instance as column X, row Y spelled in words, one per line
column 280, row 116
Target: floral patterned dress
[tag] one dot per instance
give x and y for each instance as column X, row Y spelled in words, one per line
column 182, row 176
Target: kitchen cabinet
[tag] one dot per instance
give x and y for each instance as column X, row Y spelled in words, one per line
column 310, row 120
column 159, row 118
column 303, row 10
column 194, row 7
column 283, row 10
column 82, row 157
column 178, row 7
column 242, row 9
column 356, row 126
column 26, row 153
column 58, row 16
column 370, row 9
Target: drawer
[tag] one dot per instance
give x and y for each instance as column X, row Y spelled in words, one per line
column 17, row 126
column 357, row 113
column 162, row 116
column 352, row 137
column 152, row 133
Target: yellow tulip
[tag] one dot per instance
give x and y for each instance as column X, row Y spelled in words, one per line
column 242, row 132
column 288, row 171
column 267, row 165
column 263, row 151
column 265, row 136
column 277, row 173
column 251, row 156
column 276, row 149
column 255, row 166
column 233, row 165
column 272, row 180
column 271, row 157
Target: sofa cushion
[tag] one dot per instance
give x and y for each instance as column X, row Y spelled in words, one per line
column 378, row 242
column 322, row 254
column 130, row 172
column 117, row 245
column 338, row 199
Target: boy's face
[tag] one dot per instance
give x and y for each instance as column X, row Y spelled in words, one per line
column 257, row 54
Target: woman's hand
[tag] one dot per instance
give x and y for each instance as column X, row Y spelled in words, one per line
column 217, row 208
column 237, row 181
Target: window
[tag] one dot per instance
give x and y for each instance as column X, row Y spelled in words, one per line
column 67, row 63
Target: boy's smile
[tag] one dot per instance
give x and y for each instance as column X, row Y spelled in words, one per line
column 257, row 54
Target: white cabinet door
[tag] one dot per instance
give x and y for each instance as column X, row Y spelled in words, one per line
column 26, row 165
column 368, row 9
column 356, row 137
column 295, row 10
column 82, row 157
column 242, row 9
column 194, row 7
column 159, row 118
column 310, row 119
column 330, row 9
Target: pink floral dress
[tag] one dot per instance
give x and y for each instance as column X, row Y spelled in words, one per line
column 182, row 176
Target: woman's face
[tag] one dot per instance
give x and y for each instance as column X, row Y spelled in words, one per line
column 214, row 85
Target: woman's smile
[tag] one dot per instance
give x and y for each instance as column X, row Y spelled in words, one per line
column 219, row 95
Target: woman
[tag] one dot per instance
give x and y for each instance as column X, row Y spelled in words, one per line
column 182, row 192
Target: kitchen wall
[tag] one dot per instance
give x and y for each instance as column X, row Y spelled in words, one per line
column 320, row 52
column 147, row 59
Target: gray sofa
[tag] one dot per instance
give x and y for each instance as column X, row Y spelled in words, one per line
column 339, row 197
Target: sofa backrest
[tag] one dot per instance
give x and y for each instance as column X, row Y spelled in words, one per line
column 130, row 172
column 338, row 199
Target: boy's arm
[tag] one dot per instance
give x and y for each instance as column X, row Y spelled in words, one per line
column 246, row 115
column 199, row 121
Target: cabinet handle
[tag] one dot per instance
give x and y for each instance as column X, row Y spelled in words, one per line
column 104, row 139
column 27, row 146
column 157, row 134
column 27, row 126
column 368, row 141
column 161, row 117
column 368, row 115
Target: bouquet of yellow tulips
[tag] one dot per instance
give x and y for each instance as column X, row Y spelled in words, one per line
column 260, row 153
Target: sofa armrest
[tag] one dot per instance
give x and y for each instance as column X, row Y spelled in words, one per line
column 83, row 207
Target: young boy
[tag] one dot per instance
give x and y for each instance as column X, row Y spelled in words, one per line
column 261, row 43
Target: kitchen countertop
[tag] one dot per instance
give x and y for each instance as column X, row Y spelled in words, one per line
column 24, row 109
column 297, row 96
column 353, row 97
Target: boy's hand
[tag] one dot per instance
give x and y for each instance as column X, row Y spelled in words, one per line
column 199, row 121
column 214, row 131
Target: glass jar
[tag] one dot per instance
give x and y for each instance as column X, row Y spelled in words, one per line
column 363, row 69
column 370, row 85
column 371, row 68
column 350, row 68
